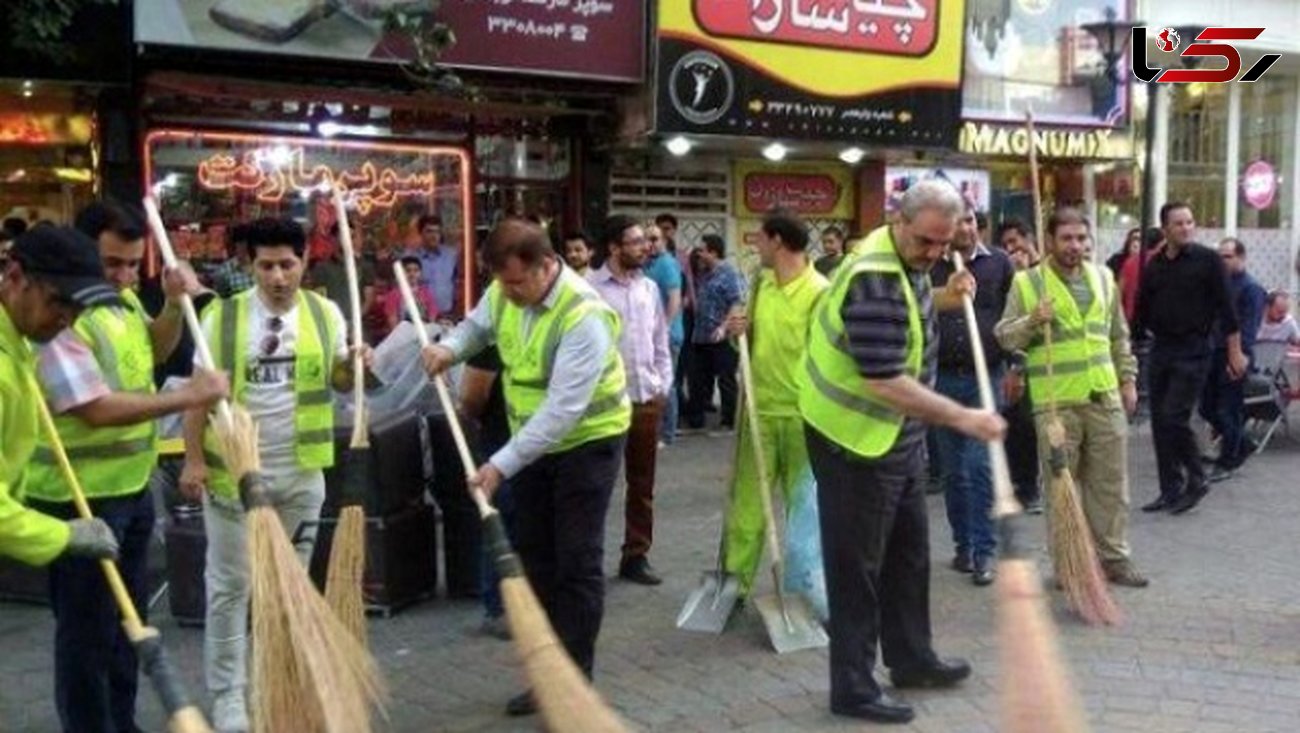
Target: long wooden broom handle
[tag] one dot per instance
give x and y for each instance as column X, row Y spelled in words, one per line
column 187, row 304
column 485, row 509
column 360, row 430
column 1037, row 194
column 751, row 414
column 1004, row 498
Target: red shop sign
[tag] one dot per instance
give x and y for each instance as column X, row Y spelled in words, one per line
column 801, row 193
column 899, row 27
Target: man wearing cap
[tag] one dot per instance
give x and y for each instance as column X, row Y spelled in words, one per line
column 52, row 274
column 97, row 377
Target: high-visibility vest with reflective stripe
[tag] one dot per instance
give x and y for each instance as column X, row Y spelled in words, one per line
column 313, row 416
column 1081, row 355
column 527, row 362
column 109, row 461
column 833, row 396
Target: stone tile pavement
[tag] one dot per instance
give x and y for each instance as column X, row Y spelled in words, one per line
column 1213, row 645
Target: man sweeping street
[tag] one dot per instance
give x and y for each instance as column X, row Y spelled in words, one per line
column 780, row 312
column 285, row 348
column 1093, row 382
column 566, row 395
column 98, row 379
column 865, row 399
column 53, row 274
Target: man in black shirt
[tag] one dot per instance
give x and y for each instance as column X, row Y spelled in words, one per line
column 1183, row 292
column 967, row 482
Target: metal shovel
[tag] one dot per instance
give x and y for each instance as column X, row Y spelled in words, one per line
column 789, row 618
column 709, row 606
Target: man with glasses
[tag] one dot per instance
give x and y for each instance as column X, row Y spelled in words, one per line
column 285, row 348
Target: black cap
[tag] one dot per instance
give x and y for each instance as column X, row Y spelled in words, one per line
column 67, row 259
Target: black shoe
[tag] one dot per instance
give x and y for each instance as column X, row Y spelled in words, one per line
column 1161, row 503
column 940, row 674
column 1208, row 459
column 638, row 570
column 1220, row 473
column 1032, row 506
column 521, row 705
column 1190, row 498
column 962, row 564
column 883, row 709
column 983, row 573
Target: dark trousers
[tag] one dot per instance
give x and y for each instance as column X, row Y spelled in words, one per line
column 462, row 530
column 876, row 551
column 503, row 500
column 95, row 670
column 1177, row 380
column 640, row 456
column 1223, row 406
column 685, row 357
column 967, row 477
column 560, row 502
column 1022, row 449
column 710, row 364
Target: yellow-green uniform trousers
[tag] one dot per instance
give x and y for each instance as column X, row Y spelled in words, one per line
column 25, row 534
column 780, row 317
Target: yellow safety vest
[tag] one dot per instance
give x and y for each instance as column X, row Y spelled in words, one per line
column 833, row 396
column 1081, row 358
column 527, row 360
column 110, row 461
column 313, row 363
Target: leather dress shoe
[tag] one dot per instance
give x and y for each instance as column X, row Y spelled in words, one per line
column 961, row 563
column 521, row 705
column 884, row 709
column 1190, row 498
column 637, row 570
column 940, row 674
column 1161, row 503
column 983, row 572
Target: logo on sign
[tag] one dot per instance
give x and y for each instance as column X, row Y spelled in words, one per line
column 1168, row 41
column 1259, row 184
column 701, row 87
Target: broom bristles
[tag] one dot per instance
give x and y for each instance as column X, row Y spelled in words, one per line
column 309, row 671
column 347, row 570
column 567, row 700
column 1074, row 558
column 1036, row 693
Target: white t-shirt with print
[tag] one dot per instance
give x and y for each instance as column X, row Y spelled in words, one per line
column 269, row 395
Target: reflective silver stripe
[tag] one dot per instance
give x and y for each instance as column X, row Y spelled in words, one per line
column 120, row 449
column 1069, row 367
column 838, row 340
column 313, row 397
column 596, row 408
column 847, row 400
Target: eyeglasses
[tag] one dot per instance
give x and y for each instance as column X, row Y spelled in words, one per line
column 271, row 342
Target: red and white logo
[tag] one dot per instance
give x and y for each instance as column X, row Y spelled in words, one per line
column 1168, row 40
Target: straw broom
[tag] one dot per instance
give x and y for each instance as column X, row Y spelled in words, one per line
column 309, row 673
column 347, row 564
column 1037, row 695
column 568, row 702
column 182, row 715
column 1074, row 558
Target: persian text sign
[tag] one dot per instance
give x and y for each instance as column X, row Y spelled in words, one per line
column 906, row 27
column 808, row 189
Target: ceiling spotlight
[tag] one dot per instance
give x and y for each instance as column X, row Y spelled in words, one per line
column 775, row 152
column 328, row 128
column 679, row 146
column 27, row 93
column 853, row 155
column 27, row 84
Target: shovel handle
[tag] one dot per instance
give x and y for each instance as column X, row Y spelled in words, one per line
column 756, row 440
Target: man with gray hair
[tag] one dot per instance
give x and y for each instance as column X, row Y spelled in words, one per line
column 865, row 403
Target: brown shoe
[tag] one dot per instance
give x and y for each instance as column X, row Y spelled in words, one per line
column 1122, row 572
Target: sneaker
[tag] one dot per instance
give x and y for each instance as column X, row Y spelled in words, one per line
column 496, row 627
column 230, row 712
column 961, row 562
column 1122, row 572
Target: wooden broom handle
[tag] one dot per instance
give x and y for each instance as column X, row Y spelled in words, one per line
column 751, row 414
column 1037, row 194
column 187, row 304
column 485, row 509
column 1004, row 501
column 360, row 431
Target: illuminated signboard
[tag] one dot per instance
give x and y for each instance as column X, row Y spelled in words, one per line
column 982, row 138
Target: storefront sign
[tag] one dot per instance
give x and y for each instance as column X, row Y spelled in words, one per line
column 22, row 128
column 597, row 39
column 1035, row 53
column 973, row 185
column 1259, row 184
column 865, row 70
column 982, row 138
column 807, row 189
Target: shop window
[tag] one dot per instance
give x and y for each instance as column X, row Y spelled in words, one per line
column 1267, row 153
column 1198, row 148
column 523, row 177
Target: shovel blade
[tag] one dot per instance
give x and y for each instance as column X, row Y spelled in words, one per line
column 792, row 626
column 709, row 606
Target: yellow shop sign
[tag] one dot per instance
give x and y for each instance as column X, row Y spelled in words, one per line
column 982, row 138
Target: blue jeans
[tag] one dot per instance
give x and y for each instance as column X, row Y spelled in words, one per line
column 95, row 671
column 505, row 504
column 668, row 425
column 967, row 481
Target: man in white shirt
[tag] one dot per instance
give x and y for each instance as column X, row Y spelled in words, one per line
column 285, row 348
column 1278, row 325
